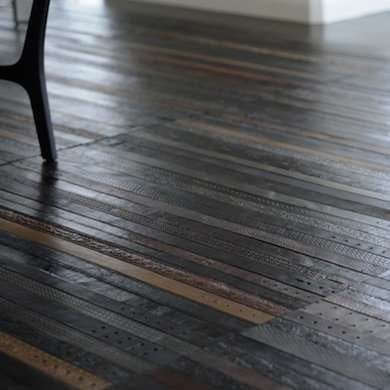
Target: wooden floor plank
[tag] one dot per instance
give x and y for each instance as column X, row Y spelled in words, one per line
column 219, row 216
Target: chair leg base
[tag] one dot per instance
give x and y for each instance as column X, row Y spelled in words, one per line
column 41, row 111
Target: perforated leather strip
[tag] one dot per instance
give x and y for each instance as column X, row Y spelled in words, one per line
column 50, row 365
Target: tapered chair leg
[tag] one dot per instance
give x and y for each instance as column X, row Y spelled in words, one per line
column 41, row 111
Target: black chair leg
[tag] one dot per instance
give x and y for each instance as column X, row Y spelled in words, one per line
column 30, row 74
column 41, row 111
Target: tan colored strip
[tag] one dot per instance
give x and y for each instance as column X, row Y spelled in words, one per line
column 240, row 46
column 178, row 288
column 17, row 137
column 158, row 53
column 349, row 140
column 268, row 168
column 258, row 139
column 207, row 67
column 50, row 365
column 220, row 60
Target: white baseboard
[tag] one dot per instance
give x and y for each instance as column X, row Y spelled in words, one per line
column 304, row 11
column 296, row 10
column 24, row 9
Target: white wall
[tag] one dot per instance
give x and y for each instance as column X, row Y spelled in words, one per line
column 336, row 10
column 306, row 11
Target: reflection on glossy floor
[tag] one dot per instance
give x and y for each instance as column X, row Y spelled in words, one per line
column 220, row 213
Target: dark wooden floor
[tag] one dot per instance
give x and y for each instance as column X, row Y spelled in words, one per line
column 220, row 213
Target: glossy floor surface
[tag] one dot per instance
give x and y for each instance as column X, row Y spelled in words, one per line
column 219, row 217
